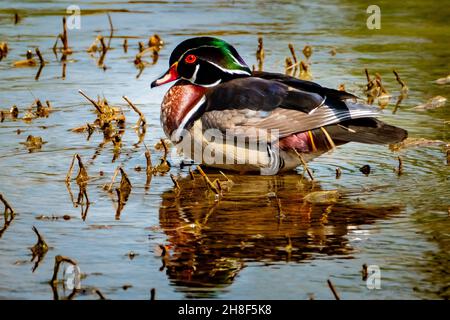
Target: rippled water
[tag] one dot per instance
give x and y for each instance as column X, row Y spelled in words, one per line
column 247, row 245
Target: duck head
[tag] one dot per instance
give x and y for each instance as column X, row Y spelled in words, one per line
column 204, row 61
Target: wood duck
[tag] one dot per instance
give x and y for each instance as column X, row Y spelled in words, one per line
column 218, row 101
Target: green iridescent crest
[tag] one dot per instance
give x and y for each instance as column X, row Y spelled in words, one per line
column 213, row 50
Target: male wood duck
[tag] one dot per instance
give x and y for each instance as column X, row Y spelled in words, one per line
column 218, row 101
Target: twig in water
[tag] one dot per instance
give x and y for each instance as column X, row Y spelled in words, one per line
column 401, row 82
column 8, row 208
column 82, row 176
column 96, row 105
column 109, row 188
column 208, row 182
column 305, row 166
column 39, row 249
column 260, row 53
column 294, row 56
column 288, row 66
column 307, row 51
column 175, row 182
column 335, row 294
column 152, row 294
column 338, row 173
column 125, row 45
column 69, row 172
column 400, row 166
column 364, row 272
column 8, row 214
column 58, row 260
column 119, row 204
column 191, row 173
column 142, row 122
column 41, row 66
column 98, row 292
column 149, row 169
column 111, row 29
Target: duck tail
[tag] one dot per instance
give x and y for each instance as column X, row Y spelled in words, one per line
column 366, row 130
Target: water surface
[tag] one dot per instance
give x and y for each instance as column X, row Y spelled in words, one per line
column 247, row 245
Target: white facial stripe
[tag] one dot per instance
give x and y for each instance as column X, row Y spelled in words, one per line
column 194, row 75
column 237, row 61
column 229, row 71
column 187, row 117
column 212, row 84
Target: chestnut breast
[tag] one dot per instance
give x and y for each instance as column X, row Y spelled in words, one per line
column 177, row 102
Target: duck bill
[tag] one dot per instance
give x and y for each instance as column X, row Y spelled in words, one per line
column 169, row 76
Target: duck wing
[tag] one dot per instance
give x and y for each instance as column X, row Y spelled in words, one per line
column 286, row 105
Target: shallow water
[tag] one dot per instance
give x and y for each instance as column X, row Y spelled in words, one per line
column 245, row 245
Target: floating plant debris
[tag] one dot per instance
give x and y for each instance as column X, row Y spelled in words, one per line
column 414, row 143
column 332, row 51
column 383, row 96
column 81, row 179
column 260, row 54
column 41, row 110
column 53, row 217
column 164, row 165
column 307, row 51
column 131, row 255
column 3, row 50
column 14, row 112
column 123, row 192
column 155, row 41
column 322, row 197
column 39, row 250
column 365, row 169
column 8, row 214
column 154, row 45
column 66, row 50
column 305, row 71
column 288, row 67
column 110, row 120
column 431, row 104
column 444, row 80
column 33, row 143
column 28, row 62
column 338, row 173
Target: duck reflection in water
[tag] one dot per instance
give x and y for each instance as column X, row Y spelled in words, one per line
column 260, row 219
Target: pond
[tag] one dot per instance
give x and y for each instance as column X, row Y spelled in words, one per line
column 262, row 239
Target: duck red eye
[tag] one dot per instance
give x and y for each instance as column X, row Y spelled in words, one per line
column 190, row 58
